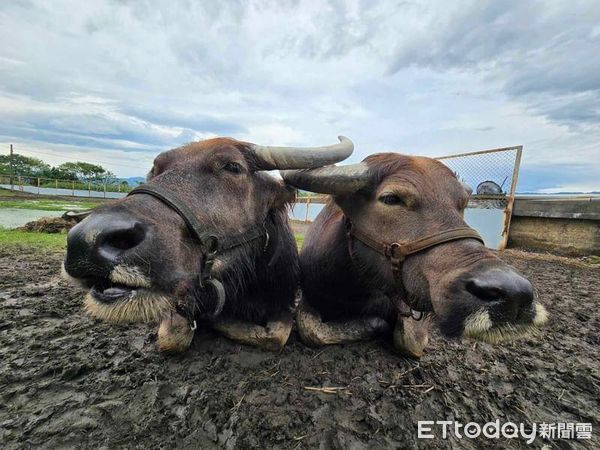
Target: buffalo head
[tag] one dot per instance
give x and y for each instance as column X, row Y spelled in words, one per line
column 392, row 198
column 141, row 260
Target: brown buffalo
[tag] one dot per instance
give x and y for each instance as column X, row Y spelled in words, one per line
column 356, row 283
column 207, row 237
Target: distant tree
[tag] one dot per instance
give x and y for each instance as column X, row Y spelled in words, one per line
column 60, row 174
column 77, row 171
column 23, row 165
column 85, row 171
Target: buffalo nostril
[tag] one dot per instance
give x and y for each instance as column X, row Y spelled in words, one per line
column 102, row 240
column 502, row 285
column 484, row 291
column 124, row 238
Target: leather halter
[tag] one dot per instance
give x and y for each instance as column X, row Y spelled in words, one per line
column 210, row 244
column 396, row 252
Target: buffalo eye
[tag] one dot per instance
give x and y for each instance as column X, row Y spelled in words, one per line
column 391, row 199
column 233, row 168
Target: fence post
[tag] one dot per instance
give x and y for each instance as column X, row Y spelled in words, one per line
column 72, row 188
column 511, row 198
column 56, row 183
column 104, row 185
column 20, row 184
column 89, row 188
column 12, row 172
column 307, row 203
column 38, row 180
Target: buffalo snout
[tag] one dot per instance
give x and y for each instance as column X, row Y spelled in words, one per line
column 492, row 302
column 102, row 241
column 111, row 254
column 502, row 289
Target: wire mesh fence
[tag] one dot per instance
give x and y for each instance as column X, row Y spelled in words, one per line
column 492, row 174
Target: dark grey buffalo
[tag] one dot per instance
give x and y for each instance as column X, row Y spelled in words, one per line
column 205, row 240
column 392, row 246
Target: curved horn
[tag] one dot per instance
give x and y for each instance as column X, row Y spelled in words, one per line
column 334, row 180
column 270, row 158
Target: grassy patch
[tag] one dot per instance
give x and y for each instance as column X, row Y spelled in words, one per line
column 48, row 204
column 299, row 240
column 594, row 259
column 9, row 193
column 29, row 239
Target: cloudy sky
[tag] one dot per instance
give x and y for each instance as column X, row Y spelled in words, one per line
column 117, row 82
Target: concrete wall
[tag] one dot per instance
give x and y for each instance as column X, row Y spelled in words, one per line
column 562, row 236
column 563, row 226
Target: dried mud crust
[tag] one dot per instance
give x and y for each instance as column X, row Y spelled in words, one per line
column 67, row 380
column 49, row 225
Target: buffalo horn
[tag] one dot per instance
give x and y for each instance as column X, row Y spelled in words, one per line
column 333, row 180
column 271, row 158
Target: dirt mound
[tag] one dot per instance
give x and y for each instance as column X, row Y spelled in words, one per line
column 50, row 225
column 69, row 381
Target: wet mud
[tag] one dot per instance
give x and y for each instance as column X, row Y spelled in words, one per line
column 69, row 381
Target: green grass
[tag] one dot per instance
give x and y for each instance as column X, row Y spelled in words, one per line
column 299, row 240
column 9, row 193
column 48, row 204
column 55, row 241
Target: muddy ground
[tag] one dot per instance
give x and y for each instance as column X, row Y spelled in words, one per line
column 69, row 381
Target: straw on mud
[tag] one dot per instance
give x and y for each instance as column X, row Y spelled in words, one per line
column 416, row 386
column 238, row 404
column 326, row 390
column 321, row 352
column 390, row 384
column 410, row 370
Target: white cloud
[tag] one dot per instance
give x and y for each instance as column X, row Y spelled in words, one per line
column 273, row 134
column 112, row 79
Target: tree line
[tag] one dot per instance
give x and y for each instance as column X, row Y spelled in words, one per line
column 26, row 166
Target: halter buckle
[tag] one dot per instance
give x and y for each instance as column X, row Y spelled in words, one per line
column 211, row 245
column 394, row 253
column 205, row 274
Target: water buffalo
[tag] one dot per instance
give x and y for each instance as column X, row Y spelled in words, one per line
column 392, row 245
column 206, row 237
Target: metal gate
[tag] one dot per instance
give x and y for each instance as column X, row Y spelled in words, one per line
column 493, row 175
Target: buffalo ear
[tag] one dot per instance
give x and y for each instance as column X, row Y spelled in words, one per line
column 283, row 196
column 333, row 180
column 468, row 188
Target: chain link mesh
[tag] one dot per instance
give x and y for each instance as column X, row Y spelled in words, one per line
column 489, row 173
